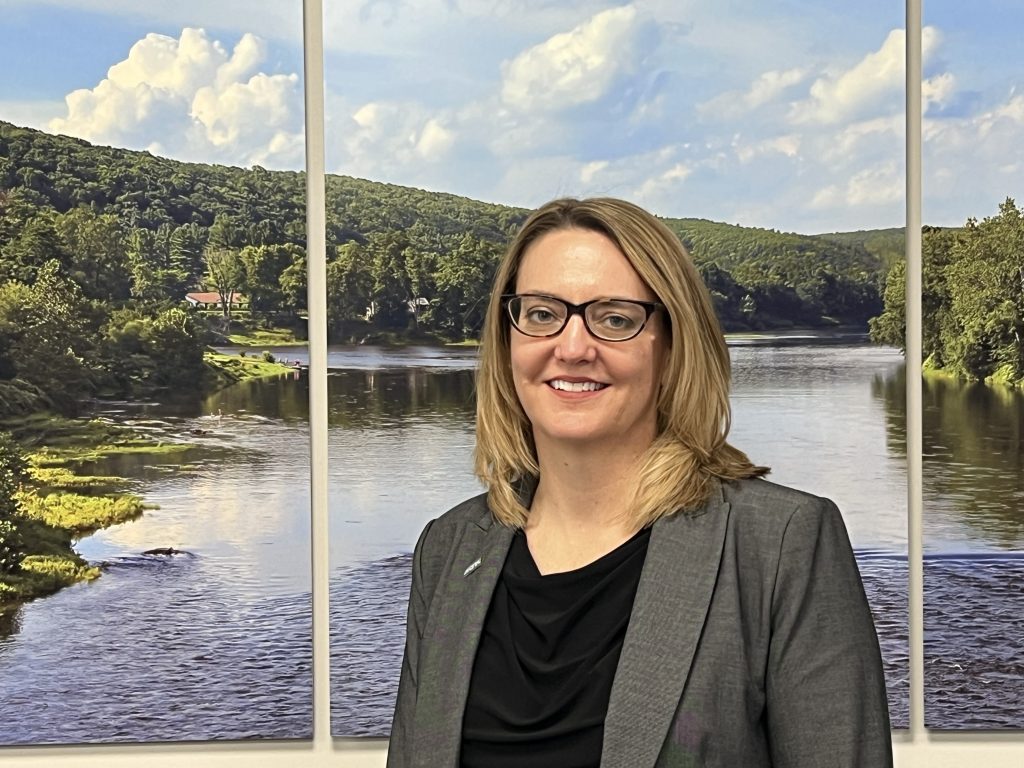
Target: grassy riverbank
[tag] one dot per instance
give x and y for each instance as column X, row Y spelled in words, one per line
column 224, row 370
column 55, row 504
column 1002, row 378
column 266, row 337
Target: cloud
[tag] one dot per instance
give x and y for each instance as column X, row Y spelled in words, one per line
column 787, row 145
column 381, row 139
column 879, row 186
column 192, row 99
column 763, row 90
column 938, row 91
column 875, row 82
column 575, row 67
column 971, row 163
column 628, row 100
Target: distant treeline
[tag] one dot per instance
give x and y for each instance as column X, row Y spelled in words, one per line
column 972, row 298
column 98, row 247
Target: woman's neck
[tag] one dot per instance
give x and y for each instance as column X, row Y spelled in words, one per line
column 580, row 510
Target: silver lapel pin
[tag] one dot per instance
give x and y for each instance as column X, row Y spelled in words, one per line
column 472, row 567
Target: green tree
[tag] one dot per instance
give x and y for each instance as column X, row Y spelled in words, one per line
column 225, row 273
column 13, row 470
column 293, row 281
column 463, row 280
column 96, row 253
column 264, row 266
column 985, row 280
column 348, row 290
column 392, row 288
column 890, row 327
column 45, row 337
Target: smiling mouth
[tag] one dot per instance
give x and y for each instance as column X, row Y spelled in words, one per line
column 576, row 386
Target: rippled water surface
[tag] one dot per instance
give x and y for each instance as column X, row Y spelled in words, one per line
column 828, row 419
column 212, row 644
column 216, row 644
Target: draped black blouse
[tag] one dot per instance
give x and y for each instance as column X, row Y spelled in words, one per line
column 543, row 671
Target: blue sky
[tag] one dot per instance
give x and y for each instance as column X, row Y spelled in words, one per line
column 786, row 115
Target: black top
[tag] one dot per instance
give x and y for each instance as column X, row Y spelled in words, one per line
column 543, row 672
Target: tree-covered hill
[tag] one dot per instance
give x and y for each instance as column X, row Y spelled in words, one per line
column 129, row 234
column 972, row 298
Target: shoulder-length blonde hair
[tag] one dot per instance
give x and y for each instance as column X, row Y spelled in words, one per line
column 693, row 402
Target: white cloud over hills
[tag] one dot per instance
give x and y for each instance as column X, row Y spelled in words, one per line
column 191, row 98
column 739, row 113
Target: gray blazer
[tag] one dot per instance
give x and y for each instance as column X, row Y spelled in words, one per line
column 750, row 642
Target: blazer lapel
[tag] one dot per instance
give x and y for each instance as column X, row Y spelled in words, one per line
column 669, row 610
column 452, row 634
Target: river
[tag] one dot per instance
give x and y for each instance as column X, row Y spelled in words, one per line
column 216, row 644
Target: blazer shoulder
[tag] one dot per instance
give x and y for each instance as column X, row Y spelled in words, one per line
column 441, row 533
column 760, row 502
column 472, row 510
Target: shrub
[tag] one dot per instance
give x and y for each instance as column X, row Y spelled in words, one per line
column 268, row 358
column 12, row 474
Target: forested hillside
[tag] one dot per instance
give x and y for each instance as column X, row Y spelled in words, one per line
column 98, row 247
column 972, row 298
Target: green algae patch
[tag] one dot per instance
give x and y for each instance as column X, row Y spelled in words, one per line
column 225, row 370
column 41, row 575
column 79, row 514
column 72, row 456
column 54, row 477
column 267, row 337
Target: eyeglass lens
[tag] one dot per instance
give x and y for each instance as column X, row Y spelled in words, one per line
column 546, row 316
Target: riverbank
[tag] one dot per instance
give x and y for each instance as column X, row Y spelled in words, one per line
column 55, row 504
column 224, row 370
column 58, row 503
column 266, row 337
column 1003, row 377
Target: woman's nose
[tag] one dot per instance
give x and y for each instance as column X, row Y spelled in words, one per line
column 575, row 342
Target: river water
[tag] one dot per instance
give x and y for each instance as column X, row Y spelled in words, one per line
column 216, row 644
column 823, row 417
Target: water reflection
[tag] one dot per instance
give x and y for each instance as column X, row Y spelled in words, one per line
column 974, row 530
column 973, row 466
column 213, row 645
column 397, row 398
column 401, row 444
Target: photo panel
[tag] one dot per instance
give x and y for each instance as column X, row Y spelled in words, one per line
column 973, row 408
column 155, row 576
column 770, row 138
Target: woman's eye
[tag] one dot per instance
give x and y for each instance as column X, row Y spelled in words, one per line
column 617, row 322
column 539, row 315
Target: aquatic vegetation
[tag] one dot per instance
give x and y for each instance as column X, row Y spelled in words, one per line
column 41, row 575
column 267, row 337
column 77, row 513
column 58, row 478
column 227, row 369
column 48, row 503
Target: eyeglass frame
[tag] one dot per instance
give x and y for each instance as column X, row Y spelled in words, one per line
column 650, row 307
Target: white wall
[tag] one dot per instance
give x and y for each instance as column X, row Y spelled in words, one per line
column 916, row 748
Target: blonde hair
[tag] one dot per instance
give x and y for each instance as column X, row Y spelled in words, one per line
column 676, row 471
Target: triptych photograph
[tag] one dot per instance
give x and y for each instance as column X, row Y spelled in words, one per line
column 155, row 524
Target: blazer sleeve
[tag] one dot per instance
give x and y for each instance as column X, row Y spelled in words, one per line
column 825, row 688
column 400, row 744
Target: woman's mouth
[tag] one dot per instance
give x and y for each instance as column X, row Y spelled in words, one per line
column 576, row 386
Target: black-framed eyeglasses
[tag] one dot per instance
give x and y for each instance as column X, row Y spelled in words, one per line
column 606, row 319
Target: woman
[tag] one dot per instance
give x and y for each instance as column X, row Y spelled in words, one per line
column 628, row 592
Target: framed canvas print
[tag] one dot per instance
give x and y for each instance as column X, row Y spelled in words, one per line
column 769, row 139
column 973, row 411
column 154, row 527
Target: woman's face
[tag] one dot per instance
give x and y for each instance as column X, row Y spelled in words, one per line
column 575, row 387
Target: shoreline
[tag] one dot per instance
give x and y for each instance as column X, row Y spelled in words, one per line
column 57, row 505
